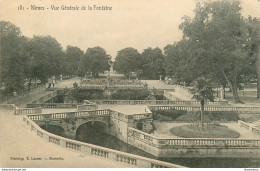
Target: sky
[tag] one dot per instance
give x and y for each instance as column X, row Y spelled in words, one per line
column 131, row 23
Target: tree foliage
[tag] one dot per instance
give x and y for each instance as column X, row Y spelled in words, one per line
column 252, row 45
column 153, row 63
column 179, row 62
column 96, row 60
column 217, row 35
column 128, row 60
column 202, row 91
column 73, row 56
column 46, row 56
column 13, row 58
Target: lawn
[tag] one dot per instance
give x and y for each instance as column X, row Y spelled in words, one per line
column 207, row 131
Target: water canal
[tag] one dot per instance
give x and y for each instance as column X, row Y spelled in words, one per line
column 94, row 134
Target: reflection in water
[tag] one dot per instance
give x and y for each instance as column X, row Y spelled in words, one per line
column 94, row 133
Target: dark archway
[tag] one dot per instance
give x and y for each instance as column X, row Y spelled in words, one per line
column 93, row 132
column 54, row 129
column 97, row 133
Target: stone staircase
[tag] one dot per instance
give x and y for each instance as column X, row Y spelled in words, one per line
column 257, row 123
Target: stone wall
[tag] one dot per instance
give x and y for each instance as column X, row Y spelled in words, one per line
column 95, row 151
column 194, row 147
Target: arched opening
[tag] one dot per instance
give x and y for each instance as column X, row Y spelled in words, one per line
column 93, row 132
column 97, row 133
column 54, row 129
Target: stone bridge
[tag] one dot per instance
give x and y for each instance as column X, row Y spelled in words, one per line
column 113, row 122
column 71, row 121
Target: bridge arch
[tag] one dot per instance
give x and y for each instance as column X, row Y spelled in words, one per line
column 91, row 129
column 54, row 129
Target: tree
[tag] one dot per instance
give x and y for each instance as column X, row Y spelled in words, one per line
column 13, row 57
column 128, row 60
column 253, row 48
column 72, row 58
column 153, row 63
column 46, row 56
column 96, row 60
column 202, row 91
column 217, row 33
column 179, row 62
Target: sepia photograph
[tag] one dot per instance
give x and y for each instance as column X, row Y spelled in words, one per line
column 129, row 84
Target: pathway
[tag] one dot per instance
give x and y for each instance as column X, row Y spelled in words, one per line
column 161, row 85
column 38, row 94
column 19, row 142
column 157, row 84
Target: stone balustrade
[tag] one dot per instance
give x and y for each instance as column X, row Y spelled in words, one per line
column 112, row 82
column 53, row 105
column 92, row 86
column 156, row 102
column 192, row 142
column 25, row 111
column 25, row 94
column 248, row 109
column 103, row 112
column 209, row 108
column 147, row 114
column 93, row 150
column 87, row 107
column 7, row 106
column 21, row 111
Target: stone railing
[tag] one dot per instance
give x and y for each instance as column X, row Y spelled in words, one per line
column 53, row 105
column 103, row 112
column 248, row 109
column 7, row 106
column 25, row 94
column 209, row 108
column 249, row 126
column 46, row 97
column 155, row 102
column 21, row 111
column 112, row 82
column 192, row 142
column 87, row 107
column 96, row 151
column 25, row 111
column 92, row 86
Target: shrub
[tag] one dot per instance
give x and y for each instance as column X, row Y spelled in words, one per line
column 185, row 116
column 128, row 94
column 87, row 94
column 172, row 113
column 159, row 97
column 222, row 115
column 207, row 131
